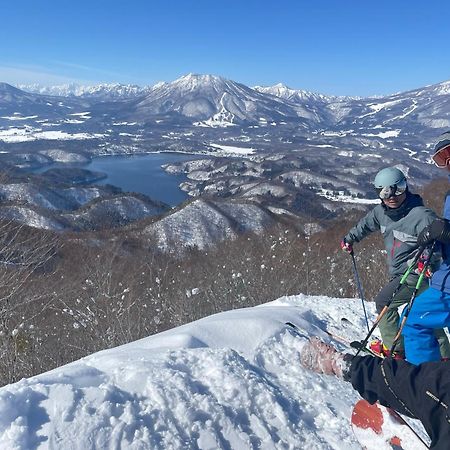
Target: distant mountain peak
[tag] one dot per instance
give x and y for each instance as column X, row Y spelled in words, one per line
column 443, row 88
column 199, row 77
column 282, row 86
column 102, row 91
column 283, row 91
column 193, row 81
column 215, row 100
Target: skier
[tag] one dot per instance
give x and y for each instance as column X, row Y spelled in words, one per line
column 432, row 308
column 400, row 217
column 422, row 392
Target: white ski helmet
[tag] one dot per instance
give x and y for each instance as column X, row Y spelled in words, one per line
column 390, row 182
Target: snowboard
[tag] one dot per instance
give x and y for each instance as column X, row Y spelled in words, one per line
column 378, row 427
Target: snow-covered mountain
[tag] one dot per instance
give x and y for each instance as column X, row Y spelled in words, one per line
column 426, row 109
column 204, row 223
column 19, row 104
column 104, row 92
column 213, row 101
column 229, row 381
column 296, row 95
column 52, row 203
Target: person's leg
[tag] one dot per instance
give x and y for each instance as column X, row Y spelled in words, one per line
column 431, row 311
column 385, row 295
column 389, row 324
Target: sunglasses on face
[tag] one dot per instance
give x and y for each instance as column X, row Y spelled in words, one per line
column 442, row 157
column 391, row 191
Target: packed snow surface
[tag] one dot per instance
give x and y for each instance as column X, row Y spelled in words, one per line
column 229, row 381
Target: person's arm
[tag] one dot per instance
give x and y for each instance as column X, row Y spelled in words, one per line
column 425, row 219
column 368, row 375
column 439, row 230
column 364, row 227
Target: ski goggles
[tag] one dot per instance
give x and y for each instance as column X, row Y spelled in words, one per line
column 442, row 157
column 386, row 192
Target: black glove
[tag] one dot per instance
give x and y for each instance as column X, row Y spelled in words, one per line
column 439, row 230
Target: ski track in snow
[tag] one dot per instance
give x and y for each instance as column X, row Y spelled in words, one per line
column 228, row 381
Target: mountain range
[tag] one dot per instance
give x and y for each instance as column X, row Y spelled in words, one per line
column 275, row 146
column 209, row 101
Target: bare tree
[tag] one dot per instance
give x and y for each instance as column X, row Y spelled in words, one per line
column 25, row 255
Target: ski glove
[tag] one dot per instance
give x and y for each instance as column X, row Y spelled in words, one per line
column 438, row 230
column 346, row 246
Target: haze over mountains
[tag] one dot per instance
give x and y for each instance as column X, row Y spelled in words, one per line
column 291, row 152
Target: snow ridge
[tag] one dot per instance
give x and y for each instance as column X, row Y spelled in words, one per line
column 231, row 380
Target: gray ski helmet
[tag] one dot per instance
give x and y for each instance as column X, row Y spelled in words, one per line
column 390, row 182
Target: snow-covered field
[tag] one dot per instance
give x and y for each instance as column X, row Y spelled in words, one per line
column 27, row 134
column 229, row 149
column 229, row 381
column 347, row 198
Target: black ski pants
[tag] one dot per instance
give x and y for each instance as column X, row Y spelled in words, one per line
column 422, row 391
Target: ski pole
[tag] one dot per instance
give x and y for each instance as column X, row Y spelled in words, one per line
column 361, row 293
column 386, row 307
column 413, row 298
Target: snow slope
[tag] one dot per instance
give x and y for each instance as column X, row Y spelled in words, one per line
column 229, row 381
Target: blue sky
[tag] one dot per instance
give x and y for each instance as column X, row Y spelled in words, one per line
column 348, row 47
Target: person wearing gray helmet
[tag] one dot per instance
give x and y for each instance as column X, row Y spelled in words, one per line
column 400, row 217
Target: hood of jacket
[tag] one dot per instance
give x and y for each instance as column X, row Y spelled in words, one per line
column 411, row 201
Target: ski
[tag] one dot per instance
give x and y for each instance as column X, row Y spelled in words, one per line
column 340, row 339
column 354, row 344
column 376, row 426
column 296, row 330
column 346, row 322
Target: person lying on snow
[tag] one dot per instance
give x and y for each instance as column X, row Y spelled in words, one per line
column 418, row 391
